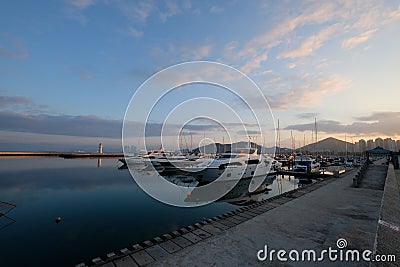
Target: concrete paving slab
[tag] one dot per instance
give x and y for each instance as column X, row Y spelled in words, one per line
column 227, row 223
column 211, row 229
column 181, row 241
column 201, row 233
column 220, row 225
column 192, row 237
column 125, row 262
column 239, row 218
column 245, row 215
column 170, row 246
column 108, row 264
column 249, row 213
column 157, row 252
column 234, row 220
column 142, row 257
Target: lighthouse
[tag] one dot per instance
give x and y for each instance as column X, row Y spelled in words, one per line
column 101, row 148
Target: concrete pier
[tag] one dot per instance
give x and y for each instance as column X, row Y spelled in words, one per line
column 310, row 218
column 4, row 154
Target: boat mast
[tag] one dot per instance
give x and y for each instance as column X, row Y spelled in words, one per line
column 279, row 139
column 316, row 136
column 293, row 145
column 191, row 142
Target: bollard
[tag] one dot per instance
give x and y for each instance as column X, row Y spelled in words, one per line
column 355, row 182
column 336, row 173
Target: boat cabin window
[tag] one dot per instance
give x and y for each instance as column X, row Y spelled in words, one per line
column 252, row 161
column 302, row 163
column 226, row 156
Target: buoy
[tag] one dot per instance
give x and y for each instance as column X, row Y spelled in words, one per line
column 58, row 219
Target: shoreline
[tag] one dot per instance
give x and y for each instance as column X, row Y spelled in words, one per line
column 59, row 154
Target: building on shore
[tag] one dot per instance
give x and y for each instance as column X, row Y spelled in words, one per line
column 362, row 146
column 370, row 144
column 389, row 143
column 379, row 142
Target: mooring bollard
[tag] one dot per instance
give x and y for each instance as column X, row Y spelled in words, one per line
column 336, row 173
column 355, row 182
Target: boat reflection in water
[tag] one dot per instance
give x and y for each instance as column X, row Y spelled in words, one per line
column 238, row 195
column 241, row 196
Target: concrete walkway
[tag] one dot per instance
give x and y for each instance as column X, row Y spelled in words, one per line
column 314, row 221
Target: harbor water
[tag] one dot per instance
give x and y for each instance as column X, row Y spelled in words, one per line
column 100, row 209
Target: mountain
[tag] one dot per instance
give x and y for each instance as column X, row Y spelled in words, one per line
column 221, row 148
column 329, row 144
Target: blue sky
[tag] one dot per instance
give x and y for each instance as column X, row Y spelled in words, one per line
column 68, row 69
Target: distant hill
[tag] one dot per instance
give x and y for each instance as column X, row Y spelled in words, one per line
column 221, row 148
column 329, row 144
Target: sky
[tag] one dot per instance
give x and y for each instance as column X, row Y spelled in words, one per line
column 69, row 69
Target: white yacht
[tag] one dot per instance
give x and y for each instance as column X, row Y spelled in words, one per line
column 276, row 165
column 175, row 163
column 230, row 167
column 304, row 164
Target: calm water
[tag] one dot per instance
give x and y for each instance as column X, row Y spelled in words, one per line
column 102, row 210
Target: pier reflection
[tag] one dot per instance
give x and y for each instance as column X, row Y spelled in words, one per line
column 5, row 220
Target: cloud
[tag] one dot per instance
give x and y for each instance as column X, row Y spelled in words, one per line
column 134, row 32
column 11, row 101
column 15, row 48
column 352, row 42
column 216, row 9
column 81, row 4
column 254, row 63
column 291, row 65
column 137, row 10
column 248, row 132
column 318, row 13
column 311, row 44
column 74, row 9
column 19, row 103
column 305, row 90
column 307, row 115
column 333, row 20
column 88, row 126
column 376, row 116
column 379, row 123
column 171, row 9
column 83, row 74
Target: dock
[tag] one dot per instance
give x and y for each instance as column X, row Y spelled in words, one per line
column 313, row 217
column 60, row 154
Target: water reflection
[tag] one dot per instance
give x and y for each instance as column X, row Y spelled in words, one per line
column 99, row 162
column 5, row 220
column 102, row 210
column 81, row 177
column 238, row 195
